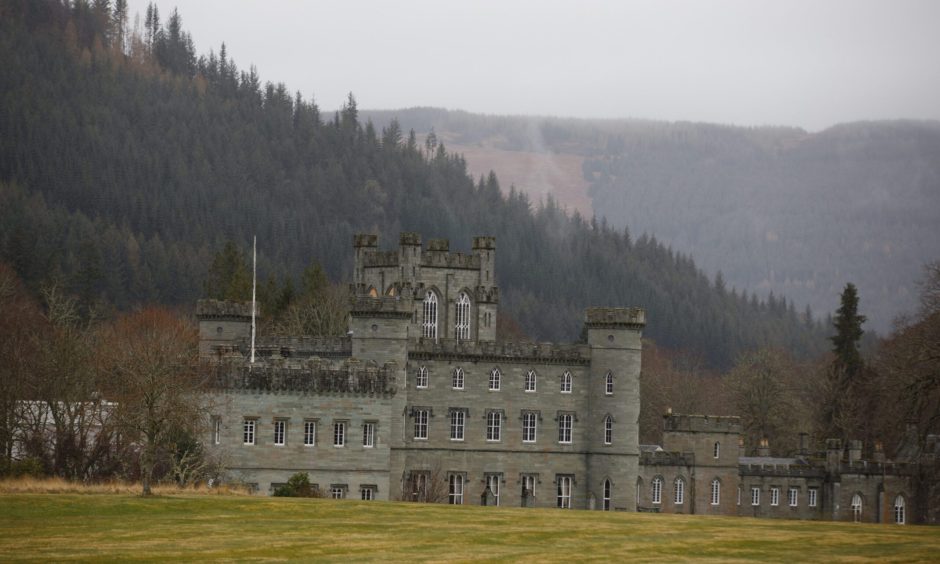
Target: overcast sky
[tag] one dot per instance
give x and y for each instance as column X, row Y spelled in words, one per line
column 805, row 63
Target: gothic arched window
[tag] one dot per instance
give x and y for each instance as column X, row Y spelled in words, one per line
column 899, row 510
column 462, row 328
column 429, row 322
column 857, row 508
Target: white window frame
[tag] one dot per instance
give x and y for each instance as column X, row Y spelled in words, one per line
column 716, row 492
column 755, row 496
column 565, row 428
column 812, row 496
column 367, row 493
column 528, row 484
column 531, row 381
column 216, row 430
column 608, row 430
column 368, row 434
column 280, row 432
column 458, row 424
column 492, row 481
column 429, row 319
column 716, row 450
column 793, row 497
column 339, row 434
column 606, row 499
column 495, row 380
column 530, row 427
column 774, row 496
column 679, row 489
column 564, row 490
column 566, row 382
column 337, row 492
column 421, row 424
column 462, row 327
column 609, row 384
column 249, row 428
column 421, row 378
column 494, row 426
column 455, row 487
column 899, row 510
column 856, row 508
column 458, row 379
column 310, row 433
column 656, row 491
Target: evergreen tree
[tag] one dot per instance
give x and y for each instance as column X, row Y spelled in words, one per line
column 229, row 276
column 848, row 326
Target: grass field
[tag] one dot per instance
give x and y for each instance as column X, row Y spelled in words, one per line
column 101, row 527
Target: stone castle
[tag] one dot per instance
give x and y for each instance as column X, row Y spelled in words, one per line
column 420, row 401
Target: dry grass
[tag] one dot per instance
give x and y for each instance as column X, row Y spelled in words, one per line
column 30, row 485
column 188, row 527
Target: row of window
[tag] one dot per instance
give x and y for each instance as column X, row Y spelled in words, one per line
column 340, row 491
column 250, row 429
column 462, row 316
column 494, row 425
column 793, row 496
column 457, row 481
column 530, row 383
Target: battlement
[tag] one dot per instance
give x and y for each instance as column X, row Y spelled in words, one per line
column 350, row 378
column 223, row 309
column 438, row 245
column 614, row 317
column 702, row 423
column 365, row 240
column 664, row 458
column 444, row 259
column 484, row 243
column 780, row 470
column 385, row 306
column 380, row 258
column 500, row 351
column 409, row 238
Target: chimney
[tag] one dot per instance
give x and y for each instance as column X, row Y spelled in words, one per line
column 879, row 454
column 833, row 454
column 855, row 451
column 764, row 448
column 804, row 447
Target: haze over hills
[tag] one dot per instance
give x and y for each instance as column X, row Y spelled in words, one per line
column 774, row 209
column 123, row 172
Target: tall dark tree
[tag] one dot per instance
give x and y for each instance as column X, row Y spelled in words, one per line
column 848, row 326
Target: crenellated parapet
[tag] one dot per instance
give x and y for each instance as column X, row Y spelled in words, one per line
column 380, row 259
column 702, row 423
column 615, row 318
column 349, row 378
column 664, row 458
column 499, row 352
column 222, row 309
column 445, row 259
column 385, row 306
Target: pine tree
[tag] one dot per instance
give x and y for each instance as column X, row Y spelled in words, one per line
column 848, row 325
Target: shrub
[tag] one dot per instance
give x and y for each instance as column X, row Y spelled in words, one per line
column 297, row 485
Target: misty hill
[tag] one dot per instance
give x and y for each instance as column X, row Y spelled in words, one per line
column 774, row 209
column 122, row 171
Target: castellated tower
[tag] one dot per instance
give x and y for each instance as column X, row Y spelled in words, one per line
column 613, row 405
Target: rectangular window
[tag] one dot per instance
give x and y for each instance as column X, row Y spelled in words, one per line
column 564, row 491
column 455, row 489
column 528, row 489
column 792, row 497
column 565, row 422
column 421, row 424
column 739, row 495
column 494, row 422
column 457, row 420
column 248, row 428
column 310, row 433
column 338, row 491
column 811, row 497
column 755, row 496
column 657, row 493
column 774, row 496
column 339, row 434
column 566, row 383
column 529, row 424
column 368, row 435
column 216, row 430
column 280, row 432
column 367, row 493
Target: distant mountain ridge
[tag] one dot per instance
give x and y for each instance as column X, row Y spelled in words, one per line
column 774, row 209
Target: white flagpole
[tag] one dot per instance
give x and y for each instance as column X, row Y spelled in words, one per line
column 254, row 285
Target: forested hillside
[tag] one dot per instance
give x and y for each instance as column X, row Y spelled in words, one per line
column 774, row 209
column 127, row 161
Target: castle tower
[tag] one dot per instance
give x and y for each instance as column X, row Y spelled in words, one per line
column 613, row 406
column 487, row 293
column 363, row 243
column 222, row 323
column 409, row 257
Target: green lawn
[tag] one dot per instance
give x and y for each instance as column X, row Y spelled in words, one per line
column 123, row 527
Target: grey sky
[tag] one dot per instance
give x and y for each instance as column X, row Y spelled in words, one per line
column 804, row 63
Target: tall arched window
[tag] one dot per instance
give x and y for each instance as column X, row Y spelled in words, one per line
column 608, row 430
column 606, row 495
column 429, row 323
column 495, row 377
column 462, row 330
column 609, row 384
column 680, row 491
column 856, row 508
column 899, row 510
column 657, row 490
column 716, row 492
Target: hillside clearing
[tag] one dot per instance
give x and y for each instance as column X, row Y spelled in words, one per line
column 124, row 527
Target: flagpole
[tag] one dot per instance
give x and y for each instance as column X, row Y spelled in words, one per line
column 254, row 286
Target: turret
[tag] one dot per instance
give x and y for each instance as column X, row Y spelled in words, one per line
column 613, row 391
column 222, row 323
column 363, row 243
column 409, row 257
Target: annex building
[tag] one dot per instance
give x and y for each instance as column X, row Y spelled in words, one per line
column 421, row 401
